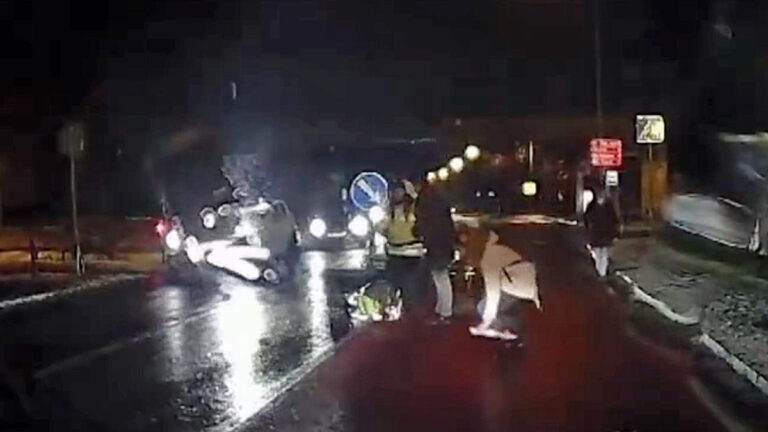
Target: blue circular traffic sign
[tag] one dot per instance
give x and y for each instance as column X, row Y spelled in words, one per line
column 368, row 189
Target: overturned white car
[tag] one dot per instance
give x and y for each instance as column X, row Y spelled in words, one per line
column 256, row 241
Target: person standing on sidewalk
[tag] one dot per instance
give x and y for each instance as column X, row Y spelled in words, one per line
column 602, row 225
column 435, row 225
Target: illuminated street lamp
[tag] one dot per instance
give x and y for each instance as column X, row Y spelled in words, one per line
column 529, row 188
column 431, row 177
column 443, row 173
column 456, row 164
column 472, row 152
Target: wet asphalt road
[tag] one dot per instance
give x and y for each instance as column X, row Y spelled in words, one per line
column 584, row 367
column 171, row 356
column 160, row 354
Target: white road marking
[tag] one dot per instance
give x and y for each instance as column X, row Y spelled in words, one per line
column 87, row 356
column 77, row 287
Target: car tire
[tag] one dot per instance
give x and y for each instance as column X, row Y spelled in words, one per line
column 271, row 275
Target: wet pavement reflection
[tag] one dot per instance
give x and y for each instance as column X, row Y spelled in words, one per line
column 583, row 367
column 210, row 352
column 199, row 355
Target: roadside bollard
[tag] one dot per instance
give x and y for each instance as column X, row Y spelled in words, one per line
column 32, row 256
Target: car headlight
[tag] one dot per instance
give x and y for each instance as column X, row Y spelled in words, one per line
column 376, row 214
column 359, row 226
column 208, row 216
column 318, row 228
column 173, row 240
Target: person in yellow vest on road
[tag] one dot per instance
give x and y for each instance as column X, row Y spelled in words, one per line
column 405, row 251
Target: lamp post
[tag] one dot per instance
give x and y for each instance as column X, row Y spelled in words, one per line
column 456, row 164
column 472, row 152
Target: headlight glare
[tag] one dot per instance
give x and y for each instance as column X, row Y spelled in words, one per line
column 359, row 226
column 318, row 228
column 173, row 240
column 376, row 214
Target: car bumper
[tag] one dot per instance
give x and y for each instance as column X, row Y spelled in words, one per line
column 333, row 241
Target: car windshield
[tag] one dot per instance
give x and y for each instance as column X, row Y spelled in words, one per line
column 384, row 215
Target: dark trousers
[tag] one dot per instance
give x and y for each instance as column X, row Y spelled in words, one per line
column 407, row 274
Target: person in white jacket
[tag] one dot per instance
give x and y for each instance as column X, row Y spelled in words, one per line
column 505, row 273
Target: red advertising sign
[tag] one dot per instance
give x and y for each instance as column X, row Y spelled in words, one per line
column 605, row 152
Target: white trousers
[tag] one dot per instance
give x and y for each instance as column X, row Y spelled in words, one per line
column 601, row 255
column 522, row 286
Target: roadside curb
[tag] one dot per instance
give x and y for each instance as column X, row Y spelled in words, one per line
column 639, row 294
column 703, row 339
column 734, row 362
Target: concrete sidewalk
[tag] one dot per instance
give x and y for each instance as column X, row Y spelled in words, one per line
column 726, row 303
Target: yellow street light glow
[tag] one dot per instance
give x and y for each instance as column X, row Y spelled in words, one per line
column 472, row 152
column 456, row 164
column 431, row 177
column 443, row 173
column 529, row 188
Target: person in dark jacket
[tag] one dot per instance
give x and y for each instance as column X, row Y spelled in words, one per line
column 435, row 225
column 602, row 225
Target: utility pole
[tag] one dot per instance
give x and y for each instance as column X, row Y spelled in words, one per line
column 72, row 143
column 75, row 226
column 598, row 65
column 530, row 155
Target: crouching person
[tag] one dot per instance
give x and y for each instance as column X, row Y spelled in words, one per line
column 509, row 279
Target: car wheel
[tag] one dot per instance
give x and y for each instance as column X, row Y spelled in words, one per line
column 271, row 275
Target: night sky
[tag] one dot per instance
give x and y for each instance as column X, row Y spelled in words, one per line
column 343, row 61
column 146, row 72
column 351, row 60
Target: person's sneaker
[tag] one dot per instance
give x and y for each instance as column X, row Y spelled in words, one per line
column 482, row 331
column 507, row 335
column 491, row 333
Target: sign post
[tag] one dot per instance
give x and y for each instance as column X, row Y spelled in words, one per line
column 606, row 152
column 72, row 143
column 650, row 131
